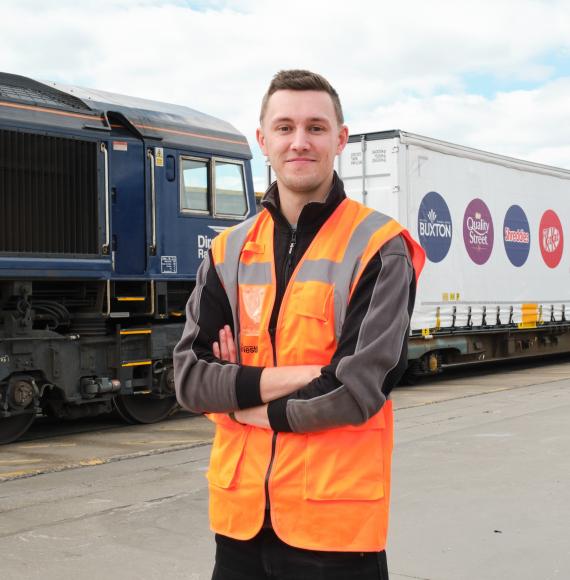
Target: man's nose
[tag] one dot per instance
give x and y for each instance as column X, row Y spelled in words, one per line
column 300, row 140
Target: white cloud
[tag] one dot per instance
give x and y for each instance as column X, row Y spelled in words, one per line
column 528, row 124
column 394, row 64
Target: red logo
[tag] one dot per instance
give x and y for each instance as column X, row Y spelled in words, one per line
column 551, row 238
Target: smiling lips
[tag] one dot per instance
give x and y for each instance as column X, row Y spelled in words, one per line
column 300, row 160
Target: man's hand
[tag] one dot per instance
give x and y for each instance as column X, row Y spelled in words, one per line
column 225, row 349
column 256, row 416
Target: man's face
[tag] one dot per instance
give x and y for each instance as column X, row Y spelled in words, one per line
column 301, row 136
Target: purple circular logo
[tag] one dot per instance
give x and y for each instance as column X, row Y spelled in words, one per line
column 478, row 231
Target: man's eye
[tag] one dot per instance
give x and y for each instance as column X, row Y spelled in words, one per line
column 316, row 129
column 283, row 129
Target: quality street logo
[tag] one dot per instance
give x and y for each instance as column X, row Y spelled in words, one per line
column 478, row 232
column 435, row 229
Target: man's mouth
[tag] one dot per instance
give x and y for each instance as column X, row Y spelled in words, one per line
column 300, row 160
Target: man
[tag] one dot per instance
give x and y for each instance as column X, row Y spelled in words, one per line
column 318, row 291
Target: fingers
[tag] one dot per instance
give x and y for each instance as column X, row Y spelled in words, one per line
column 231, row 345
column 225, row 349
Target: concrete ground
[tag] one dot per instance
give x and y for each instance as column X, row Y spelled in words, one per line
column 480, row 490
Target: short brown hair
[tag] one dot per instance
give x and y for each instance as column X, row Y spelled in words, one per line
column 301, row 80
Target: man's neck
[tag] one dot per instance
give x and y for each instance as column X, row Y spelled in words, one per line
column 292, row 203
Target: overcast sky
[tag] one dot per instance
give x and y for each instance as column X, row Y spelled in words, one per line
column 492, row 74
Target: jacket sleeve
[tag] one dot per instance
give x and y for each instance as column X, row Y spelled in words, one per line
column 371, row 355
column 204, row 383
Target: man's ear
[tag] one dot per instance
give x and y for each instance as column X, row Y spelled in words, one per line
column 261, row 140
column 342, row 139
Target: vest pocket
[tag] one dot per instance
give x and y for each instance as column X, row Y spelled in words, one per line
column 344, row 465
column 227, row 452
column 313, row 300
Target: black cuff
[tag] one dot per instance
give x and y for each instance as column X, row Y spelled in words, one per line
column 277, row 414
column 248, row 393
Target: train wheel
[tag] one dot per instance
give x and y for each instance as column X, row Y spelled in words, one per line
column 13, row 427
column 143, row 408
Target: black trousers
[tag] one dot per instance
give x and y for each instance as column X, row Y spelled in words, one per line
column 266, row 557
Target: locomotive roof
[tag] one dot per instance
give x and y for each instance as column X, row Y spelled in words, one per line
column 173, row 125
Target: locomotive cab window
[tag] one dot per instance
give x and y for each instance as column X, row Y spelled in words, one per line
column 194, row 186
column 212, row 187
column 230, row 189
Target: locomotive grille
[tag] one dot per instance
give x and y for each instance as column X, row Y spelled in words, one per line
column 48, row 195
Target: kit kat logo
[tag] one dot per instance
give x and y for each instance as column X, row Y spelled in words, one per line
column 551, row 238
column 434, row 226
column 478, row 232
column 516, row 235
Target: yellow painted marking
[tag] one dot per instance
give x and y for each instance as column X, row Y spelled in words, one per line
column 15, row 473
column 46, row 445
column 19, row 461
column 95, row 461
column 137, row 363
column 130, row 298
column 141, row 331
column 157, row 442
column 176, row 313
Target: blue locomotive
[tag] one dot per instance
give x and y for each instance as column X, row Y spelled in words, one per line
column 108, row 204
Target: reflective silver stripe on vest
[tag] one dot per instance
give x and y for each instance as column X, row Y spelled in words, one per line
column 228, row 269
column 257, row 273
column 342, row 274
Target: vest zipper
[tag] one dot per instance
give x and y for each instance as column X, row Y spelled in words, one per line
column 272, row 334
column 267, row 502
column 292, row 244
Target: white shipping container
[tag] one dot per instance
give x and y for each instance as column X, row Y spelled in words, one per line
column 494, row 228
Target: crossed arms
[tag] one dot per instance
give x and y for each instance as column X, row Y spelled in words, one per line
column 274, row 383
column 371, row 355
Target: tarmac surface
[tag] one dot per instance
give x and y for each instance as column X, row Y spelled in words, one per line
column 480, row 489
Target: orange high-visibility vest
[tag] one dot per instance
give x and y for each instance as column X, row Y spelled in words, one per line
column 327, row 490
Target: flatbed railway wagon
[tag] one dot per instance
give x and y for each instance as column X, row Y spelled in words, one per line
column 496, row 284
column 108, row 204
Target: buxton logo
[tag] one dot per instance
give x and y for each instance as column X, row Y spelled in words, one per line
column 250, row 349
column 551, row 238
column 478, row 231
column 516, row 235
column 435, row 229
